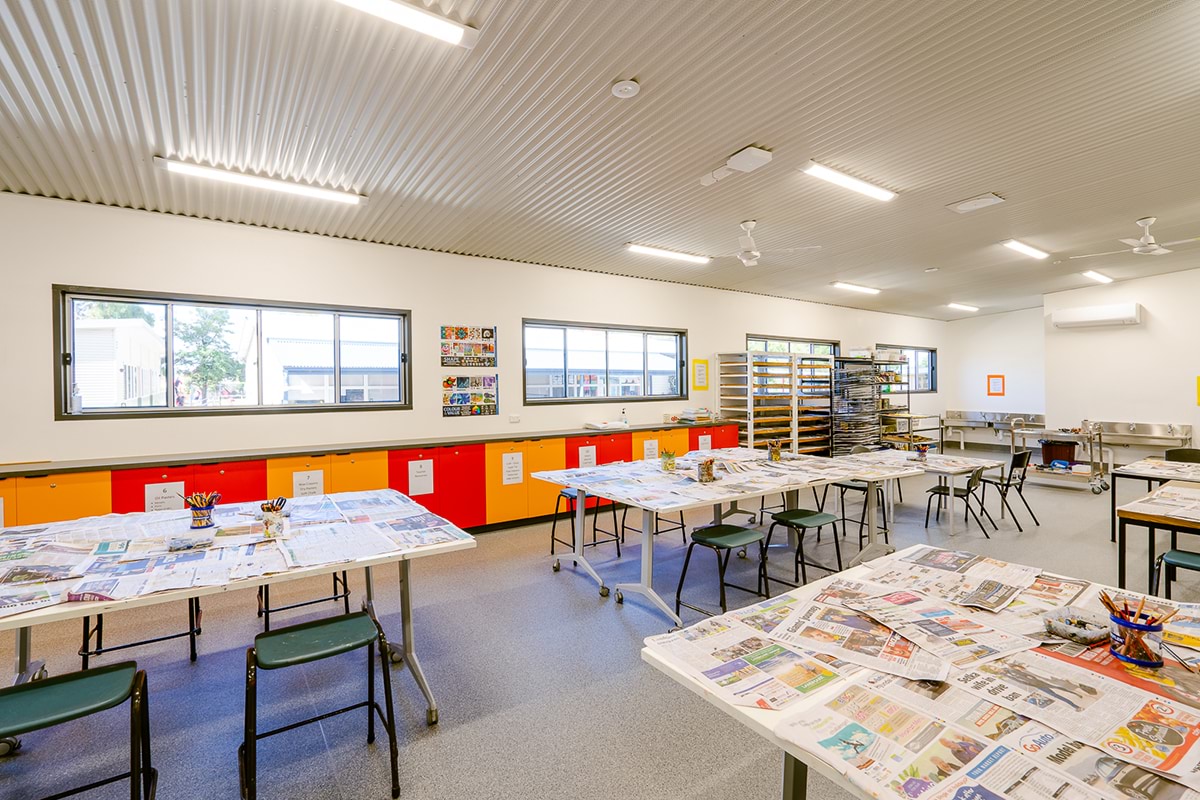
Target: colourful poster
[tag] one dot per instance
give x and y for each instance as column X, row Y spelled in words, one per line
column 468, row 346
column 470, row 395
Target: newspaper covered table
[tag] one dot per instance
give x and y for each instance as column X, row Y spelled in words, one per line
column 1172, row 507
column 743, row 474
column 1149, row 469
column 817, row 674
column 944, row 466
column 100, row 565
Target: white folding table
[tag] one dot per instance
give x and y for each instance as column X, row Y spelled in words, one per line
column 585, row 483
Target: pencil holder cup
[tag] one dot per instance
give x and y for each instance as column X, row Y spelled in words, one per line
column 272, row 523
column 202, row 517
column 774, row 451
column 1135, row 642
column 704, row 471
column 668, row 462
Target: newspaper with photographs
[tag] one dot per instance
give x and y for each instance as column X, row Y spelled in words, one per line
column 963, row 578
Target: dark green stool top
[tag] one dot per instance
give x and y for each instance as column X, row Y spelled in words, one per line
column 42, row 704
column 804, row 518
column 312, row 641
column 727, row 536
column 1182, row 559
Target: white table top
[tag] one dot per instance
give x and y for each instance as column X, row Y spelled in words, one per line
column 644, row 485
column 934, row 463
column 1159, row 468
column 75, row 610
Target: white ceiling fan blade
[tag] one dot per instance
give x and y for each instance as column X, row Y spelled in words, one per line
column 1180, row 241
column 1132, row 242
column 1161, row 251
column 793, row 249
column 1093, row 255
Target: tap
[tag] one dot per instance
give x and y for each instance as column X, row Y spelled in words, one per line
column 1132, row 427
column 1171, row 430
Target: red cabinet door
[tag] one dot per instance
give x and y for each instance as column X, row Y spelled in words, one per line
column 616, row 447
column 398, row 472
column 237, row 481
column 725, row 436
column 575, row 459
column 129, row 485
column 461, row 486
column 694, row 440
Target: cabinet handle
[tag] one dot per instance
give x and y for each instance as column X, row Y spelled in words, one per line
column 54, row 486
column 221, row 472
column 164, row 476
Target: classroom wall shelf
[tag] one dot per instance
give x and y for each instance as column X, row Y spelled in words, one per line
column 777, row 396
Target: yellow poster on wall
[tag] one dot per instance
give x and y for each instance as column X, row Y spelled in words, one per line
column 699, row 374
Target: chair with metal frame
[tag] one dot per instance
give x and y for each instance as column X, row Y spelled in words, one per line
column 723, row 540
column 303, row 644
column 860, row 486
column 1013, row 477
column 1189, row 455
column 90, row 631
column 34, row 706
column 1173, row 560
column 974, row 481
column 572, row 497
column 341, row 591
column 801, row 520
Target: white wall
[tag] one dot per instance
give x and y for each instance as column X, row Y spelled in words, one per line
column 1136, row 373
column 1009, row 344
column 53, row 241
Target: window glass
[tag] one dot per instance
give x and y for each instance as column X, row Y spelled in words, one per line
column 369, row 359
column 626, row 364
column 919, row 369
column 587, row 362
column 119, row 355
column 215, row 348
column 802, row 347
column 297, row 357
column 545, row 363
column 662, row 364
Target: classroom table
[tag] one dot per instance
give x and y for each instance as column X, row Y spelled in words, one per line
column 402, row 651
column 1129, row 514
column 609, row 481
column 1148, row 469
column 946, row 468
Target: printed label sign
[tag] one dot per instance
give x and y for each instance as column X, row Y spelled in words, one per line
column 705, row 441
column 587, row 456
column 420, row 477
column 650, row 449
column 308, row 483
column 164, row 496
column 512, row 469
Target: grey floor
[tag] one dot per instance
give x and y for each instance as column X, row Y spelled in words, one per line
column 539, row 680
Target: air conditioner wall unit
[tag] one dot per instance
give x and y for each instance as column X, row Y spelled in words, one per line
column 1097, row 316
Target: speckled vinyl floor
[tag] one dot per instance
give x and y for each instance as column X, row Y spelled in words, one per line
column 541, row 688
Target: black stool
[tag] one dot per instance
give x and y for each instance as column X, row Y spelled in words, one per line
column 802, row 520
column 572, row 498
column 87, row 650
column 723, row 540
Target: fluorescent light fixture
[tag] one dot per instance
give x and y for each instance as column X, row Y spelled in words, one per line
column 854, row 287
column 1096, row 276
column 658, row 251
column 1021, row 247
column 961, row 307
column 255, row 182
column 418, row 19
column 842, row 179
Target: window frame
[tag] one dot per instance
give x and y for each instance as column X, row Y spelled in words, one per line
column 933, row 366
column 63, row 294
column 837, row 344
column 682, row 370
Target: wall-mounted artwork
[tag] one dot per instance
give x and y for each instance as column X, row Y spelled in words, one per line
column 995, row 385
column 468, row 346
column 470, row 395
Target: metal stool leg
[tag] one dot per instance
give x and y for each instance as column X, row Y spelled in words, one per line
column 247, row 752
column 683, row 574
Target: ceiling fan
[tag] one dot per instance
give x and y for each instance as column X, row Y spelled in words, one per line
column 748, row 252
column 1146, row 245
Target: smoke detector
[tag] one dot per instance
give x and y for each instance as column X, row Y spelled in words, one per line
column 747, row 159
column 626, row 89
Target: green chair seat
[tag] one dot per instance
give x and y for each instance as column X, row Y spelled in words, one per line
column 42, row 704
column 312, row 641
column 726, row 536
column 804, row 518
column 1182, row 559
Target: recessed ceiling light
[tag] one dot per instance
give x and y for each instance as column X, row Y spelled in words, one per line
column 931, row 269
column 1096, row 276
column 842, row 179
column 255, row 182
column 854, row 287
column 658, row 251
column 626, row 89
column 961, row 307
column 417, row 19
column 975, row 203
column 1021, row 247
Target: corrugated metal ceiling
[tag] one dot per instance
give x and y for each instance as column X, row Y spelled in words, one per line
column 1082, row 113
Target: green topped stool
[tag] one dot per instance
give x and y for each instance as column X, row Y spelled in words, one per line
column 801, row 520
column 304, row 643
column 33, row 706
column 1173, row 560
column 723, row 540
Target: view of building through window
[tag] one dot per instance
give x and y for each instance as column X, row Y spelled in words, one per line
column 920, row 367
column 811, row 347
column 565, row 362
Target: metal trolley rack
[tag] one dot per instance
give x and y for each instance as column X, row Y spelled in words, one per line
column 1090, row 438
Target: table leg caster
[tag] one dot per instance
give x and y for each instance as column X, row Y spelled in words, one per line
column 396, row 657
column 40, row 675
column 741, row 553
column 620, row 598
column 9, row 746
column 556, row 566
column 604, row 591
column 431, row 716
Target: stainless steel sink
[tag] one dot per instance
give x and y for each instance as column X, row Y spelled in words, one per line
column 997, row 420
column 1147, row 434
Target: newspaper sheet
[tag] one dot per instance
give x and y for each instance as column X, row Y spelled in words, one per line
column 855, row 637
column 1024, row 615
column 950, row 635
column 1124, row 721
column 1181, row 502
column 330, row 544
column 19, row 599
column 960, row 577
column 1004, row 774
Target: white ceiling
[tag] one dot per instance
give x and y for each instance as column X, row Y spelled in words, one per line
column 1082, row 113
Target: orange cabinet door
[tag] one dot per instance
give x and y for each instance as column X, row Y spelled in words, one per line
column 67, row 495
column 542, row 455
column 507, row 486
column 8, row 498
column 358, row 472
column 675, row 440
column 649, row 444
column 282, row 479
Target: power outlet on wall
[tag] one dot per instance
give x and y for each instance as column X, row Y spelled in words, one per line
column 514, row 418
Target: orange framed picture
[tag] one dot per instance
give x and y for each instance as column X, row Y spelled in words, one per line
column 995, row 385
